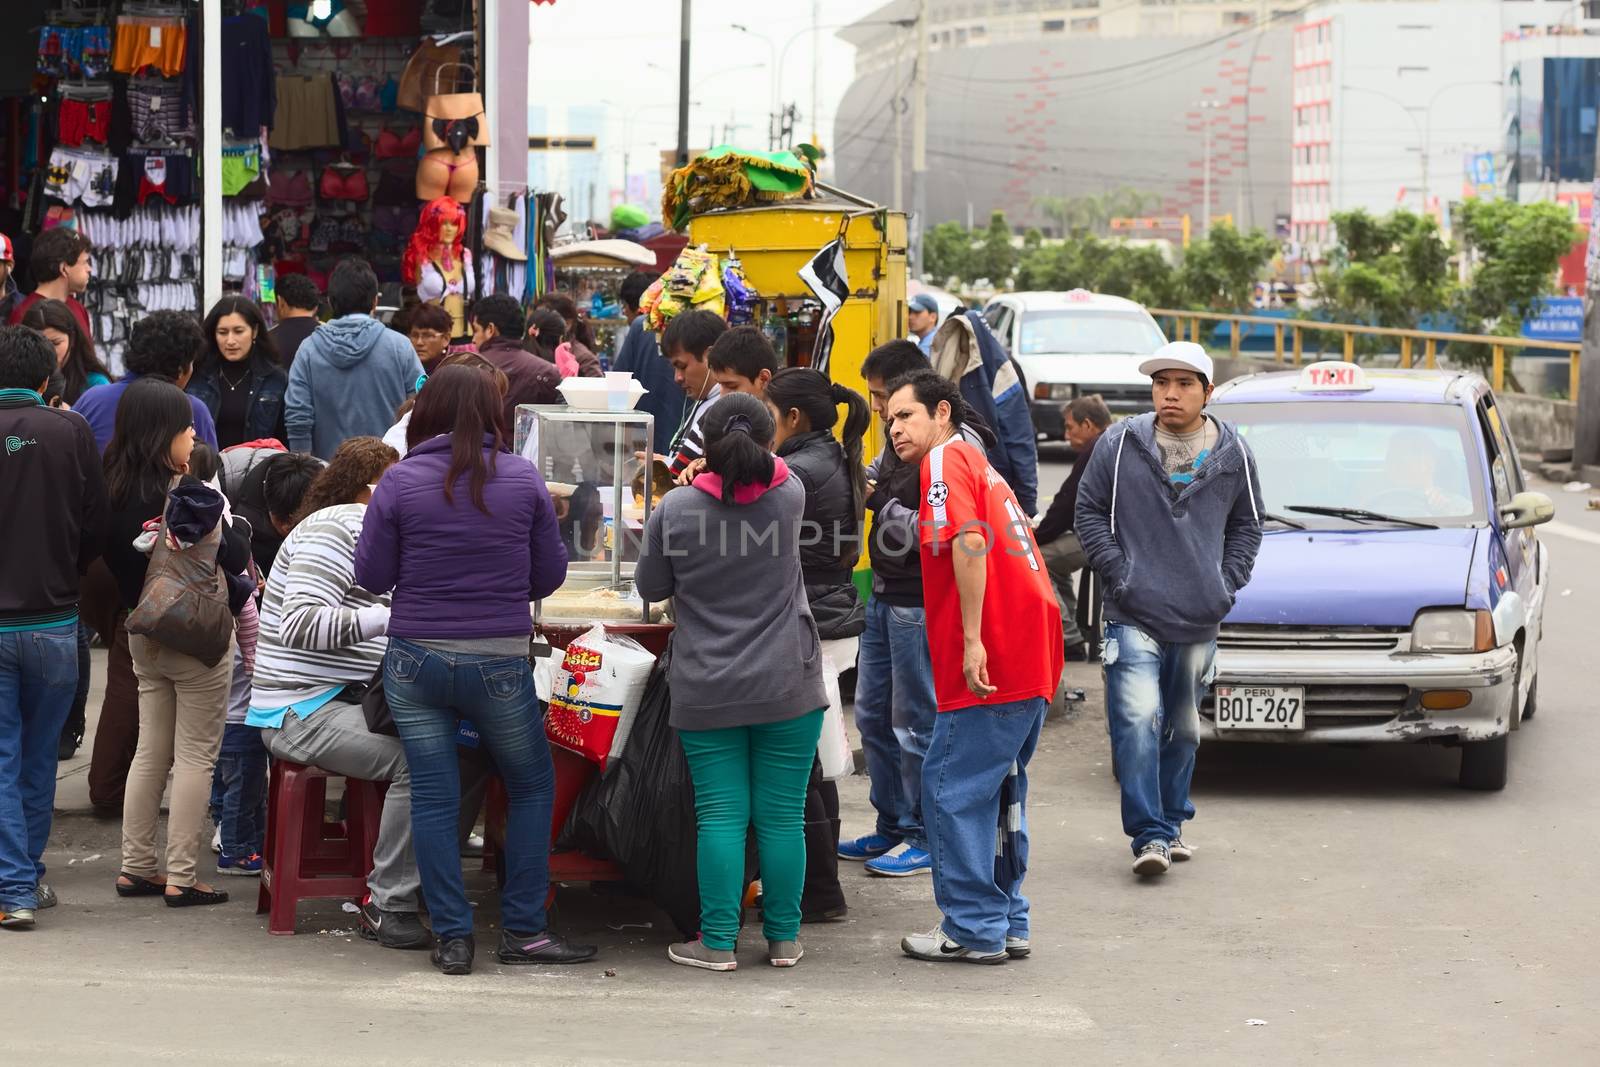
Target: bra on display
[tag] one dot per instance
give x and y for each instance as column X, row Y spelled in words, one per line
column 391, row 145
column 342, row 182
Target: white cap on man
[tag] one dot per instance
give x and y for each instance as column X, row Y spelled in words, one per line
column 1180, row 355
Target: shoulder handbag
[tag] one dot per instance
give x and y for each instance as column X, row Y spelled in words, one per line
column 375, row 707
column 184, row 603
column 454, row 120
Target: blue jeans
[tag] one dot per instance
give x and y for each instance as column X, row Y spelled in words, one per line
column 242, row 770
column 972, row 753
column 429, row 692
column 895, row 709
column 1153, row 693
column 38, row 675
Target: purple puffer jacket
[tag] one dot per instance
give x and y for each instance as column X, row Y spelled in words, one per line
column 456, row 572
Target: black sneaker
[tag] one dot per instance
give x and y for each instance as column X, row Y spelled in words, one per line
column 1153, row 859
column 393, row 929
column 454, row 955
column 546, row 947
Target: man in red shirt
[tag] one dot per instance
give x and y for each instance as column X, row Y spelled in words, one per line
column 994, row 634
column 61, row 269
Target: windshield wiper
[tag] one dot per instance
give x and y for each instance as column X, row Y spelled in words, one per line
column 1271, row 517
column 1362, row 515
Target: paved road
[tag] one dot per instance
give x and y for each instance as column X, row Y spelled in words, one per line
column 1354, row 901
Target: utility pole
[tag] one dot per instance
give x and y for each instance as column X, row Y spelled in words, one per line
column 683, row 85
column 1586, row 438
column 816, row 63
column 919, row 141
column 898, row 102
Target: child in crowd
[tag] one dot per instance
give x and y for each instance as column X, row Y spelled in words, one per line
column 239, row 784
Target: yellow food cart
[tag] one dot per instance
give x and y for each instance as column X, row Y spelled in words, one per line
column 773, row 242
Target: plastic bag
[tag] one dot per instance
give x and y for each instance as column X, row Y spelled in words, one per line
column 639, row 811
column 593, row 692
column 833, row 747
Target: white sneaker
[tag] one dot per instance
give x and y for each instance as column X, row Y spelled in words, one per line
column 216, row 840
column 1017, row 947
column 1180, row 851
column 936, row 946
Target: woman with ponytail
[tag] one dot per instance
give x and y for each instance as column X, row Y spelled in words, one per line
column 745, row 673
column 805, row 406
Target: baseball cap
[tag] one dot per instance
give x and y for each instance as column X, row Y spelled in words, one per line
column 923, row 302
column 6, row 253
column 1180, row 355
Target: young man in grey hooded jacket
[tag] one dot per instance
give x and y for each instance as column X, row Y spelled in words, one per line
column 351, row 373
column 1169, row 513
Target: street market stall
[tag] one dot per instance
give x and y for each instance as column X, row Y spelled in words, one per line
column 592, row 272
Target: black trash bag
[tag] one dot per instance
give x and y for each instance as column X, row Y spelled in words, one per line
column 639, row 812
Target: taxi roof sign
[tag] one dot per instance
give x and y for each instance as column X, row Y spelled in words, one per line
column 1333, row 376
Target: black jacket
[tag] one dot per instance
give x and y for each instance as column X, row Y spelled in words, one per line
column 830, row 540
column 55, row 500
column 128, row 565
column 289, row 334
column 896, row 503
column 1058, row 519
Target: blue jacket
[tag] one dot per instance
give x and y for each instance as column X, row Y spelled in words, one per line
column 456, row 572
column 267, row 385
column 98, row 406
column 641, row 357
column 1017, row 457
column 347, row 380
column 1171, row 561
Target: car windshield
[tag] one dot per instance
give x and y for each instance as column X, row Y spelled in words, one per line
column 1410, row 461
column 1088, row 333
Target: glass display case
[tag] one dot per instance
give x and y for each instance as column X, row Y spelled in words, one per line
column 599, row 467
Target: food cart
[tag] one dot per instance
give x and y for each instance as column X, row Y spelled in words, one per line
column 594, row 454
column 774, row 242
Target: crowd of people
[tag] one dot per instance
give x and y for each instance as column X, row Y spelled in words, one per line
column 264, row 525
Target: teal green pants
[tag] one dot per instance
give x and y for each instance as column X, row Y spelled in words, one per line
column 746, row 775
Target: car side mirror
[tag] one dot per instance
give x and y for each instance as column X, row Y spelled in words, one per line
column 1527, row 509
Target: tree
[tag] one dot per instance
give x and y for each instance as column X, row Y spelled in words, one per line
column 1220, row 270
column 1389, row 271
column 1516, row 249
column 1083, row 215
column 947, row 253
column 995, row 259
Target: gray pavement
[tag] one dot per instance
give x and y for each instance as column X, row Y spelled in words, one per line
column 1345, row 906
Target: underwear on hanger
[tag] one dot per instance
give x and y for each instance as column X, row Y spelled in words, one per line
column 240, row 166
column 83, row 120
column 149, row 42
column 338, row 184
column 76, row 176
column 391, row 145
column 290, row 188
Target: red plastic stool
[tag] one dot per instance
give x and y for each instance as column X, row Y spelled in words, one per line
column 307, row 857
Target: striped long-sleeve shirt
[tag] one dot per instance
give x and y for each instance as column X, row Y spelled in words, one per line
column 318, row 628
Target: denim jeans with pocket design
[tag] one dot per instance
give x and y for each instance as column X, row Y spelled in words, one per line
column 38, row 675
column 895, row 708
column 429, row 692
column 1153, row 694
column 973, row 751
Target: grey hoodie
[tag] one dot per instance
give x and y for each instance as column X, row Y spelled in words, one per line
column 746, row 650
column 1172, row 562
column 347, row 380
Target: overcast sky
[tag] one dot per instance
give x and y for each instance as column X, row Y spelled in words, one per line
column 587, row 52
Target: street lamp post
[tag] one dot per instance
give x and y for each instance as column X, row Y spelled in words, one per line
column 772, row 58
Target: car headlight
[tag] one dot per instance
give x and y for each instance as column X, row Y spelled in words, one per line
column 1452, row 631
column 1054, row 391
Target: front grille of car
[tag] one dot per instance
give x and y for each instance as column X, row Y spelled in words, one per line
column 1311, row 638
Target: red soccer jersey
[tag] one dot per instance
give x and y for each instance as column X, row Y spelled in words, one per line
column 1021, row 622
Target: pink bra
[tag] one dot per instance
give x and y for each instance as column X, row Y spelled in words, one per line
column 393, row 145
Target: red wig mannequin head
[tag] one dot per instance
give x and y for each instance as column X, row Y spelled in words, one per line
column 428, row 236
